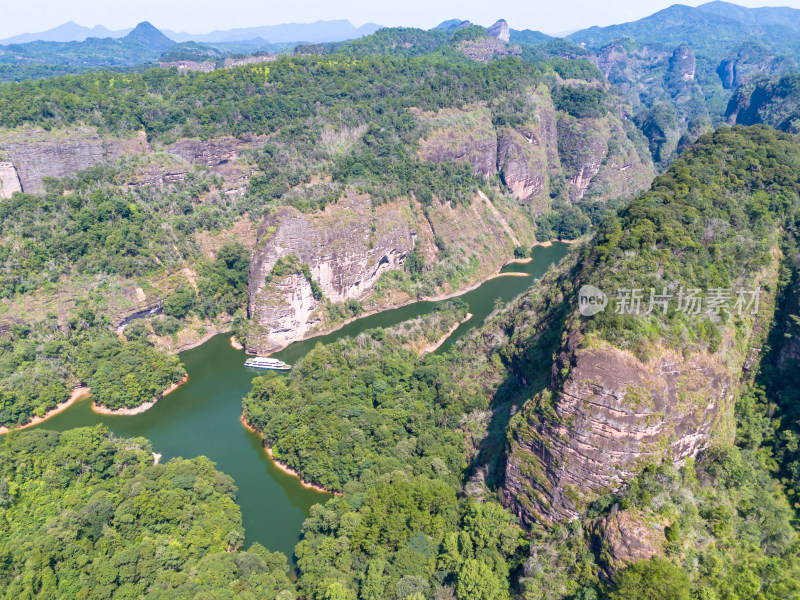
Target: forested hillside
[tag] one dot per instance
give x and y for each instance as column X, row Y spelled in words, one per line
column 721, row 518
column 85, row 515
column 647, row 450
column 152, row 221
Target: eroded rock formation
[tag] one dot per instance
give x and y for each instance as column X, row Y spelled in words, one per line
column 345, row 258
column 351, row 244
column 36, row 153
column 9, row 180
column 594, row 156
column 612, row 414
column 500, row 31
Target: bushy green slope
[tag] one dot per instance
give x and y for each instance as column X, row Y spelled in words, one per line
column 86, row 515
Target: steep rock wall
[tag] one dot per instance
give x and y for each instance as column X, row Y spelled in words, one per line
column 37, row 153
column 598, row 159
column 345, row 258
column 9, row 180
column 611, row 415
column 593, row 156
column 350, row 245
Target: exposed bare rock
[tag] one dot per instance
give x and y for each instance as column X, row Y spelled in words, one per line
column 682, row 64
column 594, row 155
column 248, row 60
column 214, row 152
column 611, row 414
column 523, row 166
column 625, row 537
column 500, row 31
column 752, row 59
column 37, row 153
column 463, row 135
column 351, row 244
column 485, row 49
column 527, row 155
column 598, row 159
column 9, row 180
column 205, row 66
column 344, row 256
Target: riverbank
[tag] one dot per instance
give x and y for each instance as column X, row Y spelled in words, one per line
column 127, row 412
column 435, row 345
column 77, row 394
column 235, row 344
column 437, row 298
column 549, row 243
column 369, row 313
column 283, row 467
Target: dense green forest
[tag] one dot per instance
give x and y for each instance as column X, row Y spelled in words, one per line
column 86, row 515
column 415, row 442
column 363, row 407
column 745, row 179
column 256, row 98
column 729, row 527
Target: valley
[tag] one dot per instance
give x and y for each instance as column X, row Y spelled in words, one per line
column 540, row 297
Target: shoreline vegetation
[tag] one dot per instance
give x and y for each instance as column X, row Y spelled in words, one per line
column 83, row 392
column 284, row 467
column 127, row 412
column 436, row 298
column 547, row 244
column 77, row 394
column 432, row 347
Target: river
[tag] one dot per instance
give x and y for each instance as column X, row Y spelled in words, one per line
column 202, row 416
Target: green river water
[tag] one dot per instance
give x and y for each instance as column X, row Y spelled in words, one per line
column 202, row 416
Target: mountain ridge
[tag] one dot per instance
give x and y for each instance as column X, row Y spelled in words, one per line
column 315, row 32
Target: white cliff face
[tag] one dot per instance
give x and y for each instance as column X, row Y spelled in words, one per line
column 500, row 30
column 9, row 180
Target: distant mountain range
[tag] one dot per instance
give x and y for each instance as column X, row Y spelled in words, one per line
column 317, row 32
column 706, row 27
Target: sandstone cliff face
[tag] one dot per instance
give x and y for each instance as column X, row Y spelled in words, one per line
column 595, row 156
column 350, row 245
column 682, row 63
column 500, row 31
column 9, row 180
column 37, row 153
column 751, row 59
column 598, row 159
column 344, row 256
column 611, row 415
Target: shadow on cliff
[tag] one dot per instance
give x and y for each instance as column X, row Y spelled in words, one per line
column 530, row 368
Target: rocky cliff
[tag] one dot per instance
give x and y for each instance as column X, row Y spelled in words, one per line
column 344, row 255
column 351, row 245
column 611, row 416
column 627, row 389
column 36, row 153
column 9, row 180
column 749, row 60
column 592, row 155
column 774, row 102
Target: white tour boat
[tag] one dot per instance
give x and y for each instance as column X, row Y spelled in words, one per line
column 262, row 362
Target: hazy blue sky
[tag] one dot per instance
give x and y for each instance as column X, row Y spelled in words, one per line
column 201, row 16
